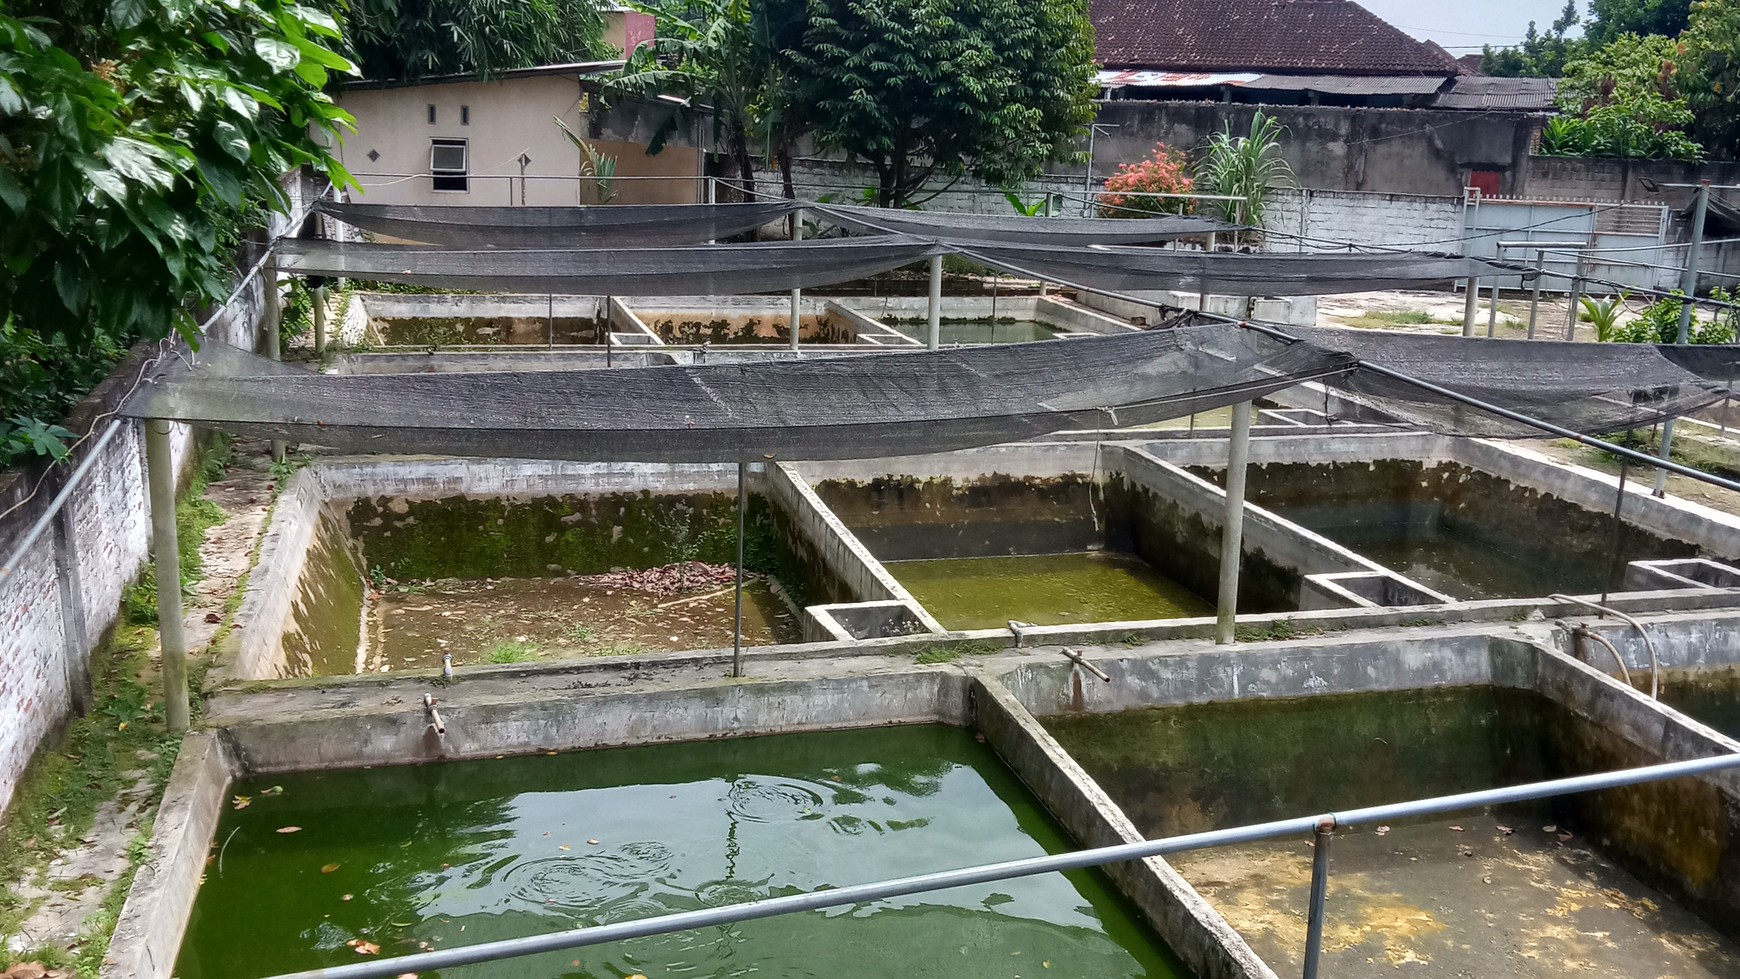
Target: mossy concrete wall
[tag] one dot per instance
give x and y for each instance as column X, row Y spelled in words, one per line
column 902, row 518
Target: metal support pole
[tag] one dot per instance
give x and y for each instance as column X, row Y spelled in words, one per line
column 933, row 321
column 272, row 315
column 1576, row 294
column 1492, row 312
column 1470, row 306
column 550, row 317
column 1044, row 286
column 160, row 477
column 1202, row 287
column 797, row 319
column 1689, row 287
column 1319, row 891
column 737, row 627
column 1233, row 526
column 1535, row 294
column 320, row 321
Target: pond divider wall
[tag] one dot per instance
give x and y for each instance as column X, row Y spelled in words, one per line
column 255, row 647
column 1176, row 912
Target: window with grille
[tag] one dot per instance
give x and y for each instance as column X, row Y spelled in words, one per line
column 449, row 162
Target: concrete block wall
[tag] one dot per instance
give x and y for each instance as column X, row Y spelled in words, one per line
column 257, row 651
column 1396, row 220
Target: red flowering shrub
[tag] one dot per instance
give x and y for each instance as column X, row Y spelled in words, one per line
column 1165, row 172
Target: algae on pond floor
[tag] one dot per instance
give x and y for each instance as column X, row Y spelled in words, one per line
column 987, row 330
column 456, row 331
column 477, row 622
column 319, row 867
column 1045, row 589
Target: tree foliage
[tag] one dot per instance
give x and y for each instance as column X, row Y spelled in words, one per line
column 408, row 39
column 136, row 136
column 923, row 88
column 1608, row 19
column 1708, row 62
column 1623, row 101
column 1540, row 55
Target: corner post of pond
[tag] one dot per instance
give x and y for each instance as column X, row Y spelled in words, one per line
column 319, row 321
column 160, row 478
column 1688, row 290
column 737, row 626
column 1470, row 306
column 797, row 234
column 271, row 316
column 1233, row 525
column 1319, row 893
column 1492, row 311
column 933, row 316
column 1535, row 293
column 1576, row 295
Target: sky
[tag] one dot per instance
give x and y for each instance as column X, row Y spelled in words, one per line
column 1465, row 25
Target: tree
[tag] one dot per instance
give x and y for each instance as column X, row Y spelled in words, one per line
column 1608, row 19
column 1539, row 55
column 409, row 39
column 920, row 88
column 1626, row 102
column 136, row 138
column 706, row 52
column 1708, row 63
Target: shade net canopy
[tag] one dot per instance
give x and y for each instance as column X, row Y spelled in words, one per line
column 1592, row 388
column 557, row 227
column 841, row 408
column 737, row 269
column 1123, row 269
column 681, row 270
column 1016, row 229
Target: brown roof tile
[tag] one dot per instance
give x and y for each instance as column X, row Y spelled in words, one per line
column 1315, row 36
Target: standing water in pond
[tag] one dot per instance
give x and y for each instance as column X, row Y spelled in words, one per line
column 1045, row 589
column 316, row 869
column 979, row 331
column 1517, row 892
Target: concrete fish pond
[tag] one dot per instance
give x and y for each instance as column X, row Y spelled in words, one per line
column 455, row 854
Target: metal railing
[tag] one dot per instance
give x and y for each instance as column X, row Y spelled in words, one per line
column 1322, row 826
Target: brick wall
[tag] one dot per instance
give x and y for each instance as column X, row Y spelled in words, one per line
column 1371, row 219
column 103, row 540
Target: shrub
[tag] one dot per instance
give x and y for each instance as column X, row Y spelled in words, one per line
column 1167, row 171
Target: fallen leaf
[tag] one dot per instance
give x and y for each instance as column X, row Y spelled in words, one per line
column 591, row 842
column 274, row 790
column 289, row 829
column 564, row 847
column 367, row 948
column 1502, row 828
column 241, row 802
column 1382, row 831
column 347, row 897
column 1549, row 829
column 1455, row 829
column 123, row 726
column 329, row 868
column 1563, row 837
column 213, row 618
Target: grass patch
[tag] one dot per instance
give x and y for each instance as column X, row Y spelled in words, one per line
column 1387, row 319
column 1716, row 460
column 62, row 790
column 505, row 652
column 948, row 654
column 194, row 515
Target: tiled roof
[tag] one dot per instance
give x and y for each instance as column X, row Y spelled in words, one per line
column 1336, row 37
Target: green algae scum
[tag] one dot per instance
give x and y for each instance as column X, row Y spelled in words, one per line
column 1539, row 890
column 1045, row 589
column 1710, row 695
column 322, row 869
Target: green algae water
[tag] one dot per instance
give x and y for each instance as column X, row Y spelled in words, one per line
column 1045, row 589
column 445, row 855
column 1709, row 695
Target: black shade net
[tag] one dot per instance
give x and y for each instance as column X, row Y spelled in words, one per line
column 1124, row 269
column 690, row 270
column 558, row 227
column 841, row 408
column 1592, row 388
column 1016, row 229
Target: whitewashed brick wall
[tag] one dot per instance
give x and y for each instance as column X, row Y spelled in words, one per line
column 1370, row 219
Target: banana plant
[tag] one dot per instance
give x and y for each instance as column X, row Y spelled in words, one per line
column 600, row 166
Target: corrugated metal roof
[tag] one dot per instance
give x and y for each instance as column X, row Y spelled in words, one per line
column 1488, row 92
column 1351, row 85
column 1173, row 79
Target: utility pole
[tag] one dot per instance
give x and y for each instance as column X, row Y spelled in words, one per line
column 1689, row 289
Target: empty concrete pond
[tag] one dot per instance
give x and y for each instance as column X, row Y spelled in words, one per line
column 1458, row 530
column 1541, row 889
column 1006, row 329
column 314, row 869
column 393, row 583
column 1709, row 694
